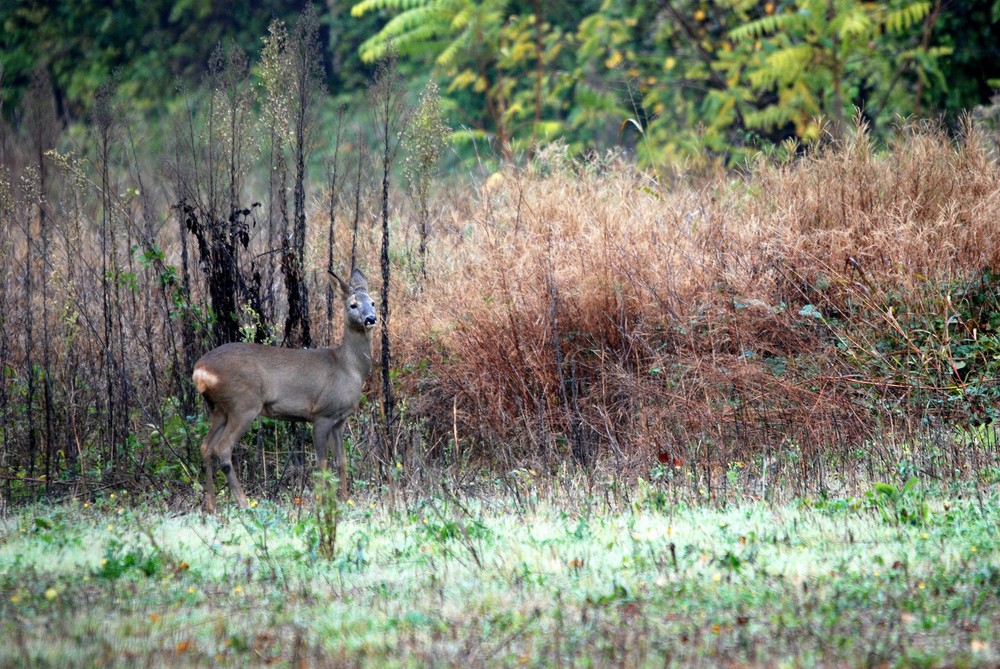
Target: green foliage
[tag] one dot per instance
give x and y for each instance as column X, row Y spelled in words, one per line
column 779, row 584
column 702, row 81
column 327, row 513
column 501, row 60
column 425, row 140
column 55, row 532
column 455, row 29
column 822, row 59
column 84, row 42
column 449, row 529
column 121, row 559
column 167, row 440
column 944, row 348
column 900, row 505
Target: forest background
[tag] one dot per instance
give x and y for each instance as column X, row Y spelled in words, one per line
column 669, row 234
column 701, row 80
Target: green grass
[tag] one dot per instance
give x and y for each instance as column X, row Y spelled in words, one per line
column 486, row 582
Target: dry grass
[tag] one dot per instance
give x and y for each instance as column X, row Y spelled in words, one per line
column 581, row 309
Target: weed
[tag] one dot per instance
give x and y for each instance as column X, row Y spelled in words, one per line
column 327, row 513
column 120, row 559
column 899, row 505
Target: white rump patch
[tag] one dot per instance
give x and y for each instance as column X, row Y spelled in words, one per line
column 204, row 379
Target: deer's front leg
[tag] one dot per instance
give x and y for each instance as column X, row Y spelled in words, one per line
column 337, row 437
column 322, row 428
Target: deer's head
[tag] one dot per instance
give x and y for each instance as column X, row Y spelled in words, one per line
column 359, row 309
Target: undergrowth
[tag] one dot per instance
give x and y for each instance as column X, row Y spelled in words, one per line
column 842, row 302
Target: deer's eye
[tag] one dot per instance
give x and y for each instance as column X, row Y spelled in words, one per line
column 354, row 305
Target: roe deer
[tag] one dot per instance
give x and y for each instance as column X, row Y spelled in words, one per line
column 321, row 386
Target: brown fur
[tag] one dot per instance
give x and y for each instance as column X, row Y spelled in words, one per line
column 322, row 386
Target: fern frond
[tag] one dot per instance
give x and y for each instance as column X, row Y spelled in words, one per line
column 412, row 19
column 408, row 30
column 783, row 66
column 463, row 79
column 770, row 117
column 450, row 53
column 901, row 19
column 767, row 25
column 940, row 51
column 919, row 54
column 855, row 23
column 719, row 109
column 365, row 6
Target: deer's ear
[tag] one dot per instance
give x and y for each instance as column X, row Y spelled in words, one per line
column 358, row 281
column 344, row 288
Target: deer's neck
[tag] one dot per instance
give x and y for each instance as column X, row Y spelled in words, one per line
column 357, row 347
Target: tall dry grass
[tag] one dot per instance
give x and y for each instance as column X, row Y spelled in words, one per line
column 579, row 310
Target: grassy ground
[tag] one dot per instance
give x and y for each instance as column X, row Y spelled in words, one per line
column 901, row 577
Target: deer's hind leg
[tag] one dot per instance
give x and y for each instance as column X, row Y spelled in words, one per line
column 225, row 431
column 207, row 450
column 236, row 426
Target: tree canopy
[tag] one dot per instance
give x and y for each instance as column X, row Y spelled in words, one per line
column 702, row 80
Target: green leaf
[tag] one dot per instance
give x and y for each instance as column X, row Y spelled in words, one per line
column 885, row 489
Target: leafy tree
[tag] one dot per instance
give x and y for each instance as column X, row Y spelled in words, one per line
column 822, row 58
column 501, row 58
column 149, row 43
column 659, row 63
column 696, row 81
column 971, row 75
column 713, row 81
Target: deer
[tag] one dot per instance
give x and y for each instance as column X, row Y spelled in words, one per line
column 322, row 386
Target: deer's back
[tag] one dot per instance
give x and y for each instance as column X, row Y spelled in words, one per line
column 278, row 382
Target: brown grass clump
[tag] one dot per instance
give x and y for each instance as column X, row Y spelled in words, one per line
column 581, row 310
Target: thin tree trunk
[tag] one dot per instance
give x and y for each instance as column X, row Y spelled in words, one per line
column 29, row 362
column 300, row 232
column 386, row 360
column 332, row 219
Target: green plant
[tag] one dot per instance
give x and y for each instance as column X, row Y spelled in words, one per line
column 821, row 57
column 898, row 505
column 327, row 511
column 54, row 532
column 354, row 559
column 499, row 63
column 425, row 139
column 120, row 559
